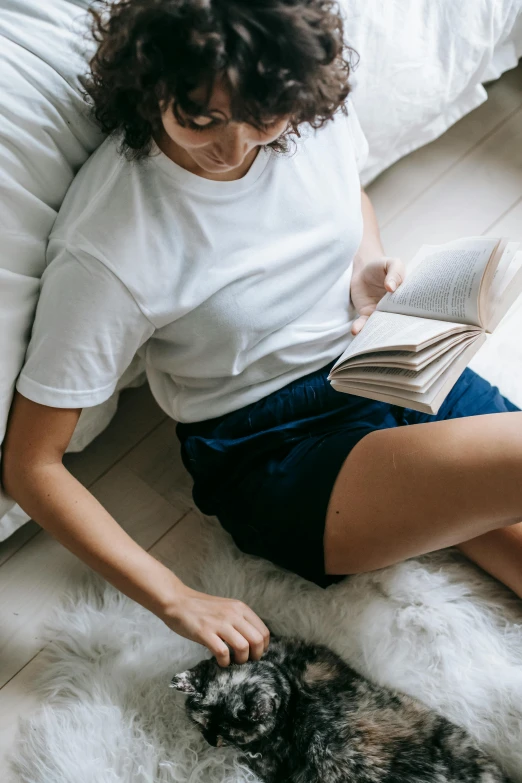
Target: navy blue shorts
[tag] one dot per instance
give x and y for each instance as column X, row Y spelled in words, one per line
column 267, row 470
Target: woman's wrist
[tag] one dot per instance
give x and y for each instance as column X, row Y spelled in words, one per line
column 145, row 579
column 367, row 254
column 78, row 521
column 370, row 248
column 371, row 244
column 166, row 592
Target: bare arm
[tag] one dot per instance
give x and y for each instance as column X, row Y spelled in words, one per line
column 33, row 474
column 371, row 244
column 374, row 273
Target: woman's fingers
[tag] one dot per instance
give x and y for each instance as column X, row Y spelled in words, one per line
column 257, row 622
column 245, row 643
column 219, row 649
column 254, row 637
column 359, row 323
column 395, row 273
column 221, row 624
column 247, row 638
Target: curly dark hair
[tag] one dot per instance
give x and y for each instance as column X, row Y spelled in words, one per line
column 277, row 57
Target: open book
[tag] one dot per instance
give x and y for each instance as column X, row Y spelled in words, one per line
column 419, row 340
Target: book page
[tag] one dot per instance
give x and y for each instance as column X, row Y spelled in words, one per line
column 428, row 401
column 445, row 282
column 386, row 331
column 417, row 380
column 506, row 277
column 414, row 360
column 502, row 274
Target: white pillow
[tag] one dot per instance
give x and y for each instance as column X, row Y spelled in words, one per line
column 45, row 136
column 422, row 66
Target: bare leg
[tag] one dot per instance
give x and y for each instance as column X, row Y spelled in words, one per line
column 500, row 554
column 407, row 491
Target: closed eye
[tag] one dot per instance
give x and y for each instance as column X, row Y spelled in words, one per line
column 195, row 127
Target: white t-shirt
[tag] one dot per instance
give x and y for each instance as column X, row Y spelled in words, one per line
column 229, row 290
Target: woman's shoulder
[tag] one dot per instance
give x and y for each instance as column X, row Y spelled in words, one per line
column 110, row 221
column 105, row 190
column 90, row 190
column 340, row 137
column 348, row 125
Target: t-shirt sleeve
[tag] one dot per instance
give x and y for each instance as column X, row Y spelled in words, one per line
column 86, row 331
column 359, row 140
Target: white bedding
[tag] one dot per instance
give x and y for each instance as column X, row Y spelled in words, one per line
column 422, row 65
column 45, row 136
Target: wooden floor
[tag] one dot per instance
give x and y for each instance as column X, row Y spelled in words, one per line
column 467, row 182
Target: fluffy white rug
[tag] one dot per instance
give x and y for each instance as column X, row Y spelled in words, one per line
column 436, row 627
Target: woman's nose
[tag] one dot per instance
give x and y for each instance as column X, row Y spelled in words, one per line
column 234, row 148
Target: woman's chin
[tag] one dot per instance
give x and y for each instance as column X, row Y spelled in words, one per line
column 212, row 164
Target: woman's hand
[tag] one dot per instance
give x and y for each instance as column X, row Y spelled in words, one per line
column 212, row 621
column 370, row 281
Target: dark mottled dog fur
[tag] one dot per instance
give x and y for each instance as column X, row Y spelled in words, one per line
column 302, row 715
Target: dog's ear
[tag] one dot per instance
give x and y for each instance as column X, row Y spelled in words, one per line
column 186, row 682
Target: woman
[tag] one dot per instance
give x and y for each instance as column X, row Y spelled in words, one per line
column 221, row 232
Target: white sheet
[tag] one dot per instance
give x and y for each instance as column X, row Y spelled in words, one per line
column 422, row 64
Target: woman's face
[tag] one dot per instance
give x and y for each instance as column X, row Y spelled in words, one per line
column 218, row 145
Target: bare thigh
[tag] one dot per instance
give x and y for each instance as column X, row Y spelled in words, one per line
column 409, row 490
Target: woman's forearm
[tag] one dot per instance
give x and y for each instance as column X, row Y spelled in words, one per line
column 371, row 244
column 72, row 515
